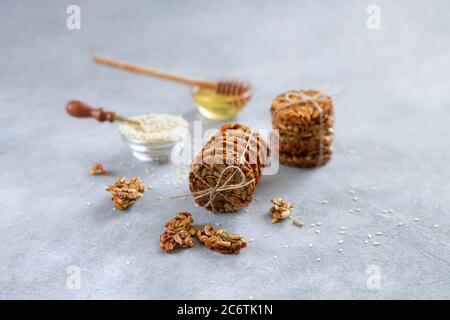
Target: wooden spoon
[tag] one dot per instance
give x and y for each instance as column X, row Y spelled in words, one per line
column 82, row 110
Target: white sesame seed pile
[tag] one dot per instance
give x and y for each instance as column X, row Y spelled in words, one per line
column 157, row 128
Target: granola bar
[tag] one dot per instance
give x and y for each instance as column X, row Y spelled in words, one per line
column 225, row 173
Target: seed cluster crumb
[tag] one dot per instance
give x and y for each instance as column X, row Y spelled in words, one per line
column 179, row 232
column 281, row 210
column 126, row 192
column 98, row 169
column 220, row 240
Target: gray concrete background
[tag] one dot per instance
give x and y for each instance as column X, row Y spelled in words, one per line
column 392, row 134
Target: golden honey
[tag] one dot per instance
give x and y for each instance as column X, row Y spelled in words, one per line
column 216, row 106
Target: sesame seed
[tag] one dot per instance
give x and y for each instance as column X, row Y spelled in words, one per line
column 384, row 211
column 416, row 219
column 286, row 246
column 251, row 240
column 435, row 226
column 275, row 257
column 379, row 233
column 400, row 223
column 88, row 204
column 351, row 191
column 343, row 228
column 358, row 210
column 355, row 199
column 318, row 223
column 324, row 201
column 340, row 250
column 340, row 241
column 128, row 262
column 318, row 260
column 343, row 232
column 312, row 225
column 350, row 211
column 317, row 231
column 266, row 236
column 369, row 236
column 160, row 197
column 376, row 243
column 391, row 210
column 366, row 241
column 310, row 245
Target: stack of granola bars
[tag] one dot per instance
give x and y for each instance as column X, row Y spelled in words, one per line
column 305, row 121
column 226, row 171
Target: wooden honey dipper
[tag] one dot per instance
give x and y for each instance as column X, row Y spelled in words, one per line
column 82, row 110
column 222, row 87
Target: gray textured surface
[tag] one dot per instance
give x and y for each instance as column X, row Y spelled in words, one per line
column 392, row 133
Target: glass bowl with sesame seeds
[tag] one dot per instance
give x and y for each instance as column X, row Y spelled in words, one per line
column 157, row 137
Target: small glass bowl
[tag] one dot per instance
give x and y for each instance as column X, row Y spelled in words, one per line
column 219, row 107
column 154, row 152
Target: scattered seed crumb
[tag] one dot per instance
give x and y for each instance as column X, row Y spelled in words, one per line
column 436, row 226
column 324, row 201
column 318, row 223
column 340, row 250
column 376, row 243
column 127, row 224
column 379, row 233
column 160, row 197
column 351, row 191
column 358, row 210
column 297, row 222
column 384, row 211
column 310, row 245
column 369, row 236
column 275, row 257
column 286, row 246
column 350, row 211
column 400, row 223
column 318, row 260
column 340, row 241
column 366, row 241
column 246, row 210
column 317, row 231
column 391, row 210
column 343, row 228
column 128, row 262
column 251, row 240
column 342, row 232
column 355, row 199
column 312, row 225
column 416, row 219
